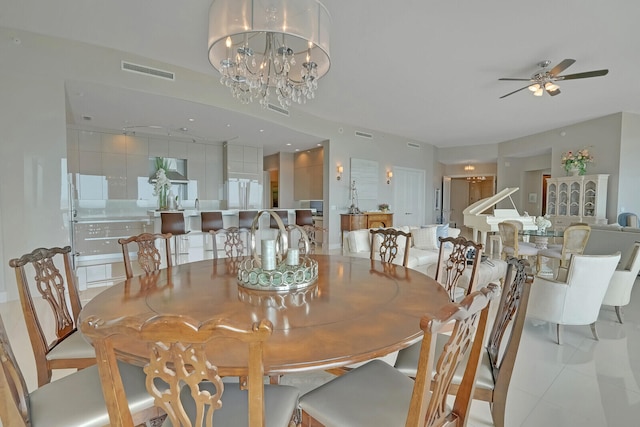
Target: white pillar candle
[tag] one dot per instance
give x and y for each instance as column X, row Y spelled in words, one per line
column 293, row 257
column 268, row 254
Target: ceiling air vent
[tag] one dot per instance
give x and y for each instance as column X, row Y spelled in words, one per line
column 364, row 134
column 413, row 145
column 278, row 109
column 141, row 69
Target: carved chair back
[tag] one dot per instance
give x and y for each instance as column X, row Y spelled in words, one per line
column 60, row 290
column 183, row 381
column 465, row 255
column 389, row 242
column 428, row 405
column 234, row 243
column 149, row 256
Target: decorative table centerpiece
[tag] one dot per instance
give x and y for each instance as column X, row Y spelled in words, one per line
column 278, row 267
column 576, row 163
column 542, row 223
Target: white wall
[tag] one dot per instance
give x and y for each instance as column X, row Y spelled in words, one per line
column 628, row 194
column 601, row 136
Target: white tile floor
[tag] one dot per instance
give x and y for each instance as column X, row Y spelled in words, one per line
column 582, row 383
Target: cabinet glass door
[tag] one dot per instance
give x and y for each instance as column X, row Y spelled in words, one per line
column 563, row 198
column 552, row 199
column 574, row 203
column 589, row 205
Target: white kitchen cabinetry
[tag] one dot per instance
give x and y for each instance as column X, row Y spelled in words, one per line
column 581, row 198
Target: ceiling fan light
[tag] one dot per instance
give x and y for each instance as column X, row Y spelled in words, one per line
column 534, row 87
column 551, row 87
column 538, row 92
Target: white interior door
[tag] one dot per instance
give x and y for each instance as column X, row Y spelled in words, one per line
column 408, row 196
column 446, row 199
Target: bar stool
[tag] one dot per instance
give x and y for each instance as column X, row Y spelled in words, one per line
column 245, row 219
column 284, row 216
column 304, row 217
column 210, row 221
column 173, row 222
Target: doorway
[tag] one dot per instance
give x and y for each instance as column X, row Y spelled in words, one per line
column 464, row 192
column 408, row 196
column 544, row 193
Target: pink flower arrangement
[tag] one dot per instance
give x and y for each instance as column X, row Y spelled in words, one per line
column 577, row 160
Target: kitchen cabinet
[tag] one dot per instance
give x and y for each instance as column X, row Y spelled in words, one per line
column 581, row 198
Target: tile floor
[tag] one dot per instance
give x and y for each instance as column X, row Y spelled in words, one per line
column 582, row 383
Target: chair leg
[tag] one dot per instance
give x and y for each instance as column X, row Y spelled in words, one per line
column 594, row 331
column 497, row 413
column 619, row 313
column 558, row 329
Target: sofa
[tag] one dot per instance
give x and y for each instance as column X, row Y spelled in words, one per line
column 424, row 250
column 607, row 239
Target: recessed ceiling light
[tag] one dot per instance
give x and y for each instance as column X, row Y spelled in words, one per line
column 261, row 130
column 319, row 144
column 228, row 125
column 288, row 144
column 192, row 120
column 297, row 149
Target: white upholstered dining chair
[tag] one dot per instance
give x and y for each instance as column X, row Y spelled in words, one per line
column 576, row 300
column 619, row 290
column 575, row 239
column 511, row 245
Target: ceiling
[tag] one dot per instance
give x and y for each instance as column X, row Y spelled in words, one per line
column 425, row 70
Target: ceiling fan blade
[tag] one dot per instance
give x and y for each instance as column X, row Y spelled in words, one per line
column 561, row 67
column 584, row 75
column 515, row 91
column 516, row 80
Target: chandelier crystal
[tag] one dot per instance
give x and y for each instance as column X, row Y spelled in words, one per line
column 265, row 48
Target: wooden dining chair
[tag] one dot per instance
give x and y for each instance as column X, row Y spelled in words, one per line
column 234, row 242
column 184, row 382
column 377, row 394
column 74, row 400
column 149, row 257
column 458, row 257
column 499, row 357
column 56, row 284
column 388, row 243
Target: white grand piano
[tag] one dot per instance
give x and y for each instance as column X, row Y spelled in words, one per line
column 475, row 219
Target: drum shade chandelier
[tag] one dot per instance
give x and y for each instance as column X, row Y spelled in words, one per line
column 270, row 47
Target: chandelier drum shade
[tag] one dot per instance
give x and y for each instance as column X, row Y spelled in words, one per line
column 270, row 47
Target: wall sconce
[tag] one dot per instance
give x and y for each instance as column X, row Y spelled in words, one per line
column 340, row 169
column 389, row 176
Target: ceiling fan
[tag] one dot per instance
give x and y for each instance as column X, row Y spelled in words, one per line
column 545, row 80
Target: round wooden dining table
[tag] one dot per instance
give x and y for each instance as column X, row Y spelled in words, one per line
column 357, row 310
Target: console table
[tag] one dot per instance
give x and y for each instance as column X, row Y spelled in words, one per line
column 350, row 222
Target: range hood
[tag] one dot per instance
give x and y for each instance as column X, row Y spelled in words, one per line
column 174, row 172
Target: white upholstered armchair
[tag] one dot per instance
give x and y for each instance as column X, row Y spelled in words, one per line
column 619, row 291
column 577, row 300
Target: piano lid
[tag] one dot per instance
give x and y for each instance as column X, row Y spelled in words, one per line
column 482, row 205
